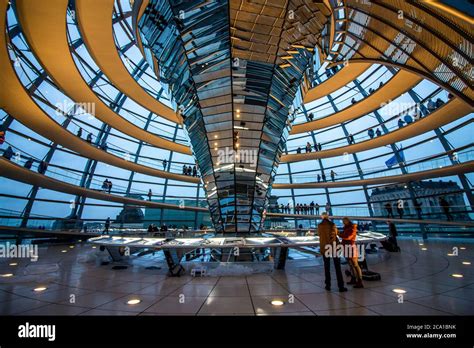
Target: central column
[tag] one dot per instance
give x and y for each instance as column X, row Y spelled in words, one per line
column 234, row 87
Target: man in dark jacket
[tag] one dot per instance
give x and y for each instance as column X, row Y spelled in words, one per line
column 327, row 232
column 8, row 153
column 28, row 163
column 106, row 226
column 388, row 208
column 42, row 167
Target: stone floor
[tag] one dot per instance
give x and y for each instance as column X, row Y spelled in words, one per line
column 76, row 284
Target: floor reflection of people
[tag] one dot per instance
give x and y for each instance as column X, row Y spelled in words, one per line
column 392, row 235
column 446, row 208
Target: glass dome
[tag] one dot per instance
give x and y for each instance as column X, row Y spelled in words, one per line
column 364, row 134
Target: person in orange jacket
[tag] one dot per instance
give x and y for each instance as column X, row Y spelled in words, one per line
column 348, row 236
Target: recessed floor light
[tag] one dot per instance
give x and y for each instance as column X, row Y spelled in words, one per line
column 466, row 263
column 94, row 247
column 13, row 264
column 277, row 303
column 462, row 248
column 399, row 291
column 6, row 275
column 420, row 244
column 39, row 289
column 71, row 246
column 456, row 275
column 424, row 248
column 133, row 301
column 451, row 254
column 64, row 251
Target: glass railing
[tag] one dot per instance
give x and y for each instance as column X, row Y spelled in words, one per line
column 363, row 134
column 413, row 166
column 75, row 178
column 435, row 212
column 171, row 167
column 12, row 218
column 326, row 109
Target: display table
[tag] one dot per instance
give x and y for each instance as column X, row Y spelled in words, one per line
column 227, row 248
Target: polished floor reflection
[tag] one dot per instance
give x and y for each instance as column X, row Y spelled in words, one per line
column 68, row 280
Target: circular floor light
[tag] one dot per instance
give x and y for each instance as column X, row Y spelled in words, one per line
column 39, row 289
column 424, row 249
column 399, row 291
column 134, row 301
column 6, row 275
column 467, row 263
column 13, row 264
column 457, row 275
column 277, row 303
column 64, row 251
column 462, row 248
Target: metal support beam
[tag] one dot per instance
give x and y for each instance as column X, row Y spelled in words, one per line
column 447, row 147
column 380, row 120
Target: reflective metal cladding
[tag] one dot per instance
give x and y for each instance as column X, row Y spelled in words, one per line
column 233, row 69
